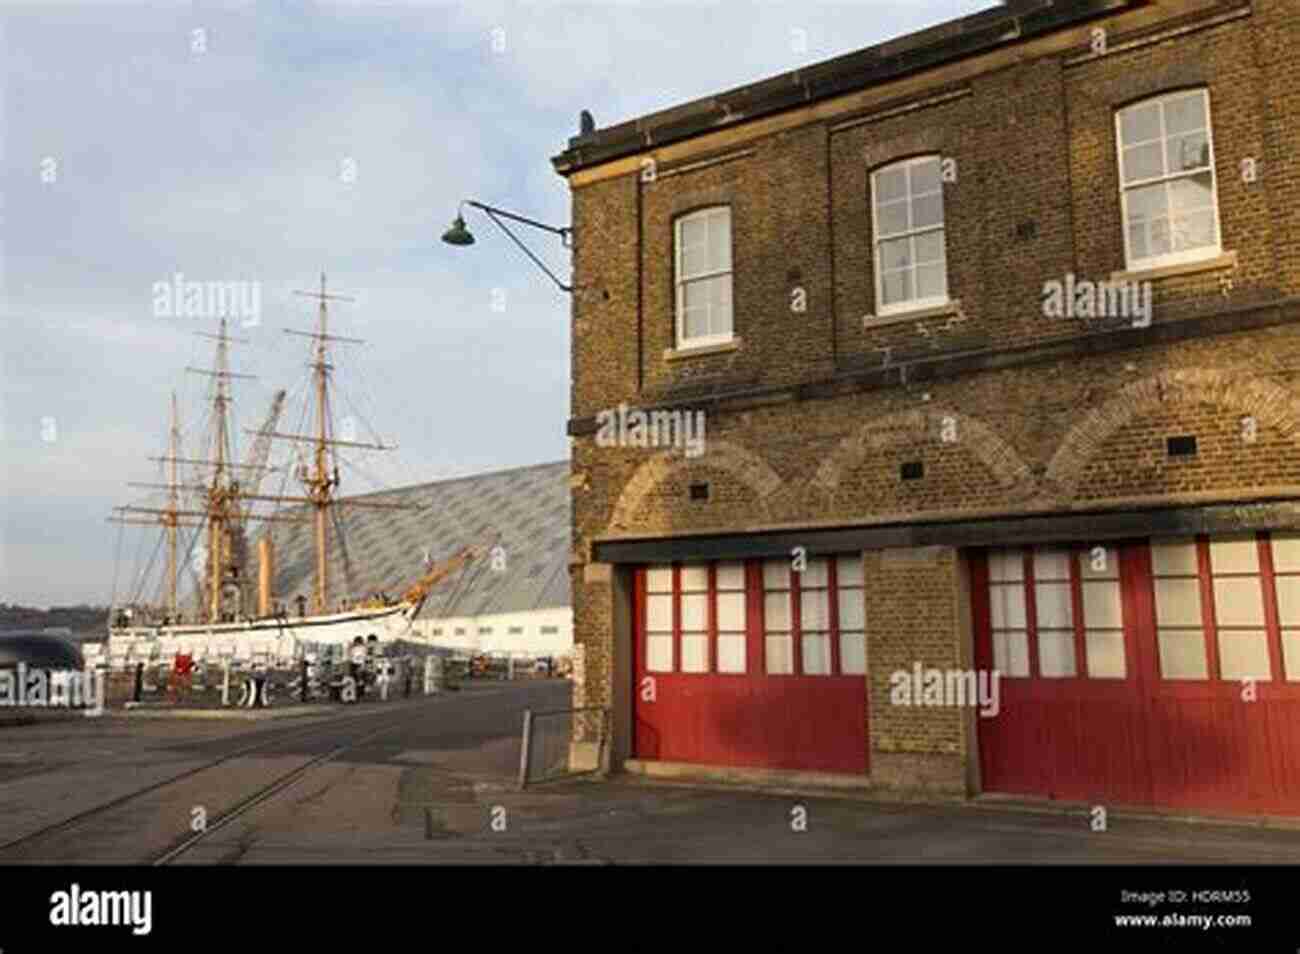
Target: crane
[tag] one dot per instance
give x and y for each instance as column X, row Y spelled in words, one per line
column 257, row 454
column 419, row 591
column 255, row 468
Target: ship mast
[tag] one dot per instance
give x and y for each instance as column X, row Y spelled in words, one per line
column 320, row 485
column 216, row 517
column 223, row 488
column 173, row 505
column 168, row 516
column 222, row 494
column 321, row 481
column 219, row 495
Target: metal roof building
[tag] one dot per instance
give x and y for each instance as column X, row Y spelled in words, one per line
column 521, row 606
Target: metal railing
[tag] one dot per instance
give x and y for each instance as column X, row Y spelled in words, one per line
column 548, row 741
column 232, row 682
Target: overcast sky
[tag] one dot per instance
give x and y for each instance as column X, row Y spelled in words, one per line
column 267, row 142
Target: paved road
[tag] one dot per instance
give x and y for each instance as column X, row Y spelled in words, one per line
column 433, row 783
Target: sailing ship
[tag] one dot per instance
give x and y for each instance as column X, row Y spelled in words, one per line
column 219, row 504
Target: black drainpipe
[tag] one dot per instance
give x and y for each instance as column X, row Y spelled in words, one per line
column 830, row 224
column 640, row 331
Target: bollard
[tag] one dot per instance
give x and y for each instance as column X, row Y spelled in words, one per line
column 254, row 694
column 304, row 680
column 409, row 665
column 510, row 667
column 139, row 682
column 225, row 685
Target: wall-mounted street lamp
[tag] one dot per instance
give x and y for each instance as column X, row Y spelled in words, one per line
column 458, row 234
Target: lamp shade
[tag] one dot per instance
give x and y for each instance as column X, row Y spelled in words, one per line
column 458, row 234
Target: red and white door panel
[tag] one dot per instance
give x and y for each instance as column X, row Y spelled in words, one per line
column 1163, row 673
column 752, row 663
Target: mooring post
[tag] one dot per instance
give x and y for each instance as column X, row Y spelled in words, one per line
column 139, row 682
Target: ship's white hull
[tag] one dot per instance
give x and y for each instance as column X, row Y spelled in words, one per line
column 280, row 640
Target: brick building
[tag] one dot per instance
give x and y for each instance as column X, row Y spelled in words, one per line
column 941, row 429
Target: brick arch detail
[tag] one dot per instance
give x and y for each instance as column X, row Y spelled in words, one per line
column 1271, row 404
column 882, row 433
column 731, row 458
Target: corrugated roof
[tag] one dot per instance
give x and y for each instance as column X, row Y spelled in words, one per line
column 525, row 510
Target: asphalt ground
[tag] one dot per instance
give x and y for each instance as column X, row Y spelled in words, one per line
column 432, row 781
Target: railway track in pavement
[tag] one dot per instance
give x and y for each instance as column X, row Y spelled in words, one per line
column 142, row 812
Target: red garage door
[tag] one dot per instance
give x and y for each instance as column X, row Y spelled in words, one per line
column 1162, row 673
column 752, row 664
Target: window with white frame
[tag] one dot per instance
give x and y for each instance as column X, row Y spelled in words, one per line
column 1054, row 613
column 1212, row 597
column 731, row 617
column 815, row 616
column 1286, row 570
column 1239, row 618
column 695, row 614
column 695, row 619
column 778, row 629
column 852, row 615
column 703, row 247
column 1180, row 634
column 659, row 619
column 908, row 225
column 1007, row 611
column 1105, row 655
column 1167, row 184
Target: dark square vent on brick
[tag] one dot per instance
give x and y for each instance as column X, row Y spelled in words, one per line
column 1182, row 446
column 700, row 491
column 912, row 470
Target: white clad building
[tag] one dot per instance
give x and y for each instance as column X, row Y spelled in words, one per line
column 514, row 602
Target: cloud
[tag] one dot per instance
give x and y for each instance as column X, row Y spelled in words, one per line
column 232, row 163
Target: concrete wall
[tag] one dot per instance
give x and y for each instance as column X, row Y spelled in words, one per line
column 465, row 633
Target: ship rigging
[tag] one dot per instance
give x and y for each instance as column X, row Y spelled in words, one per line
column 219, row 503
